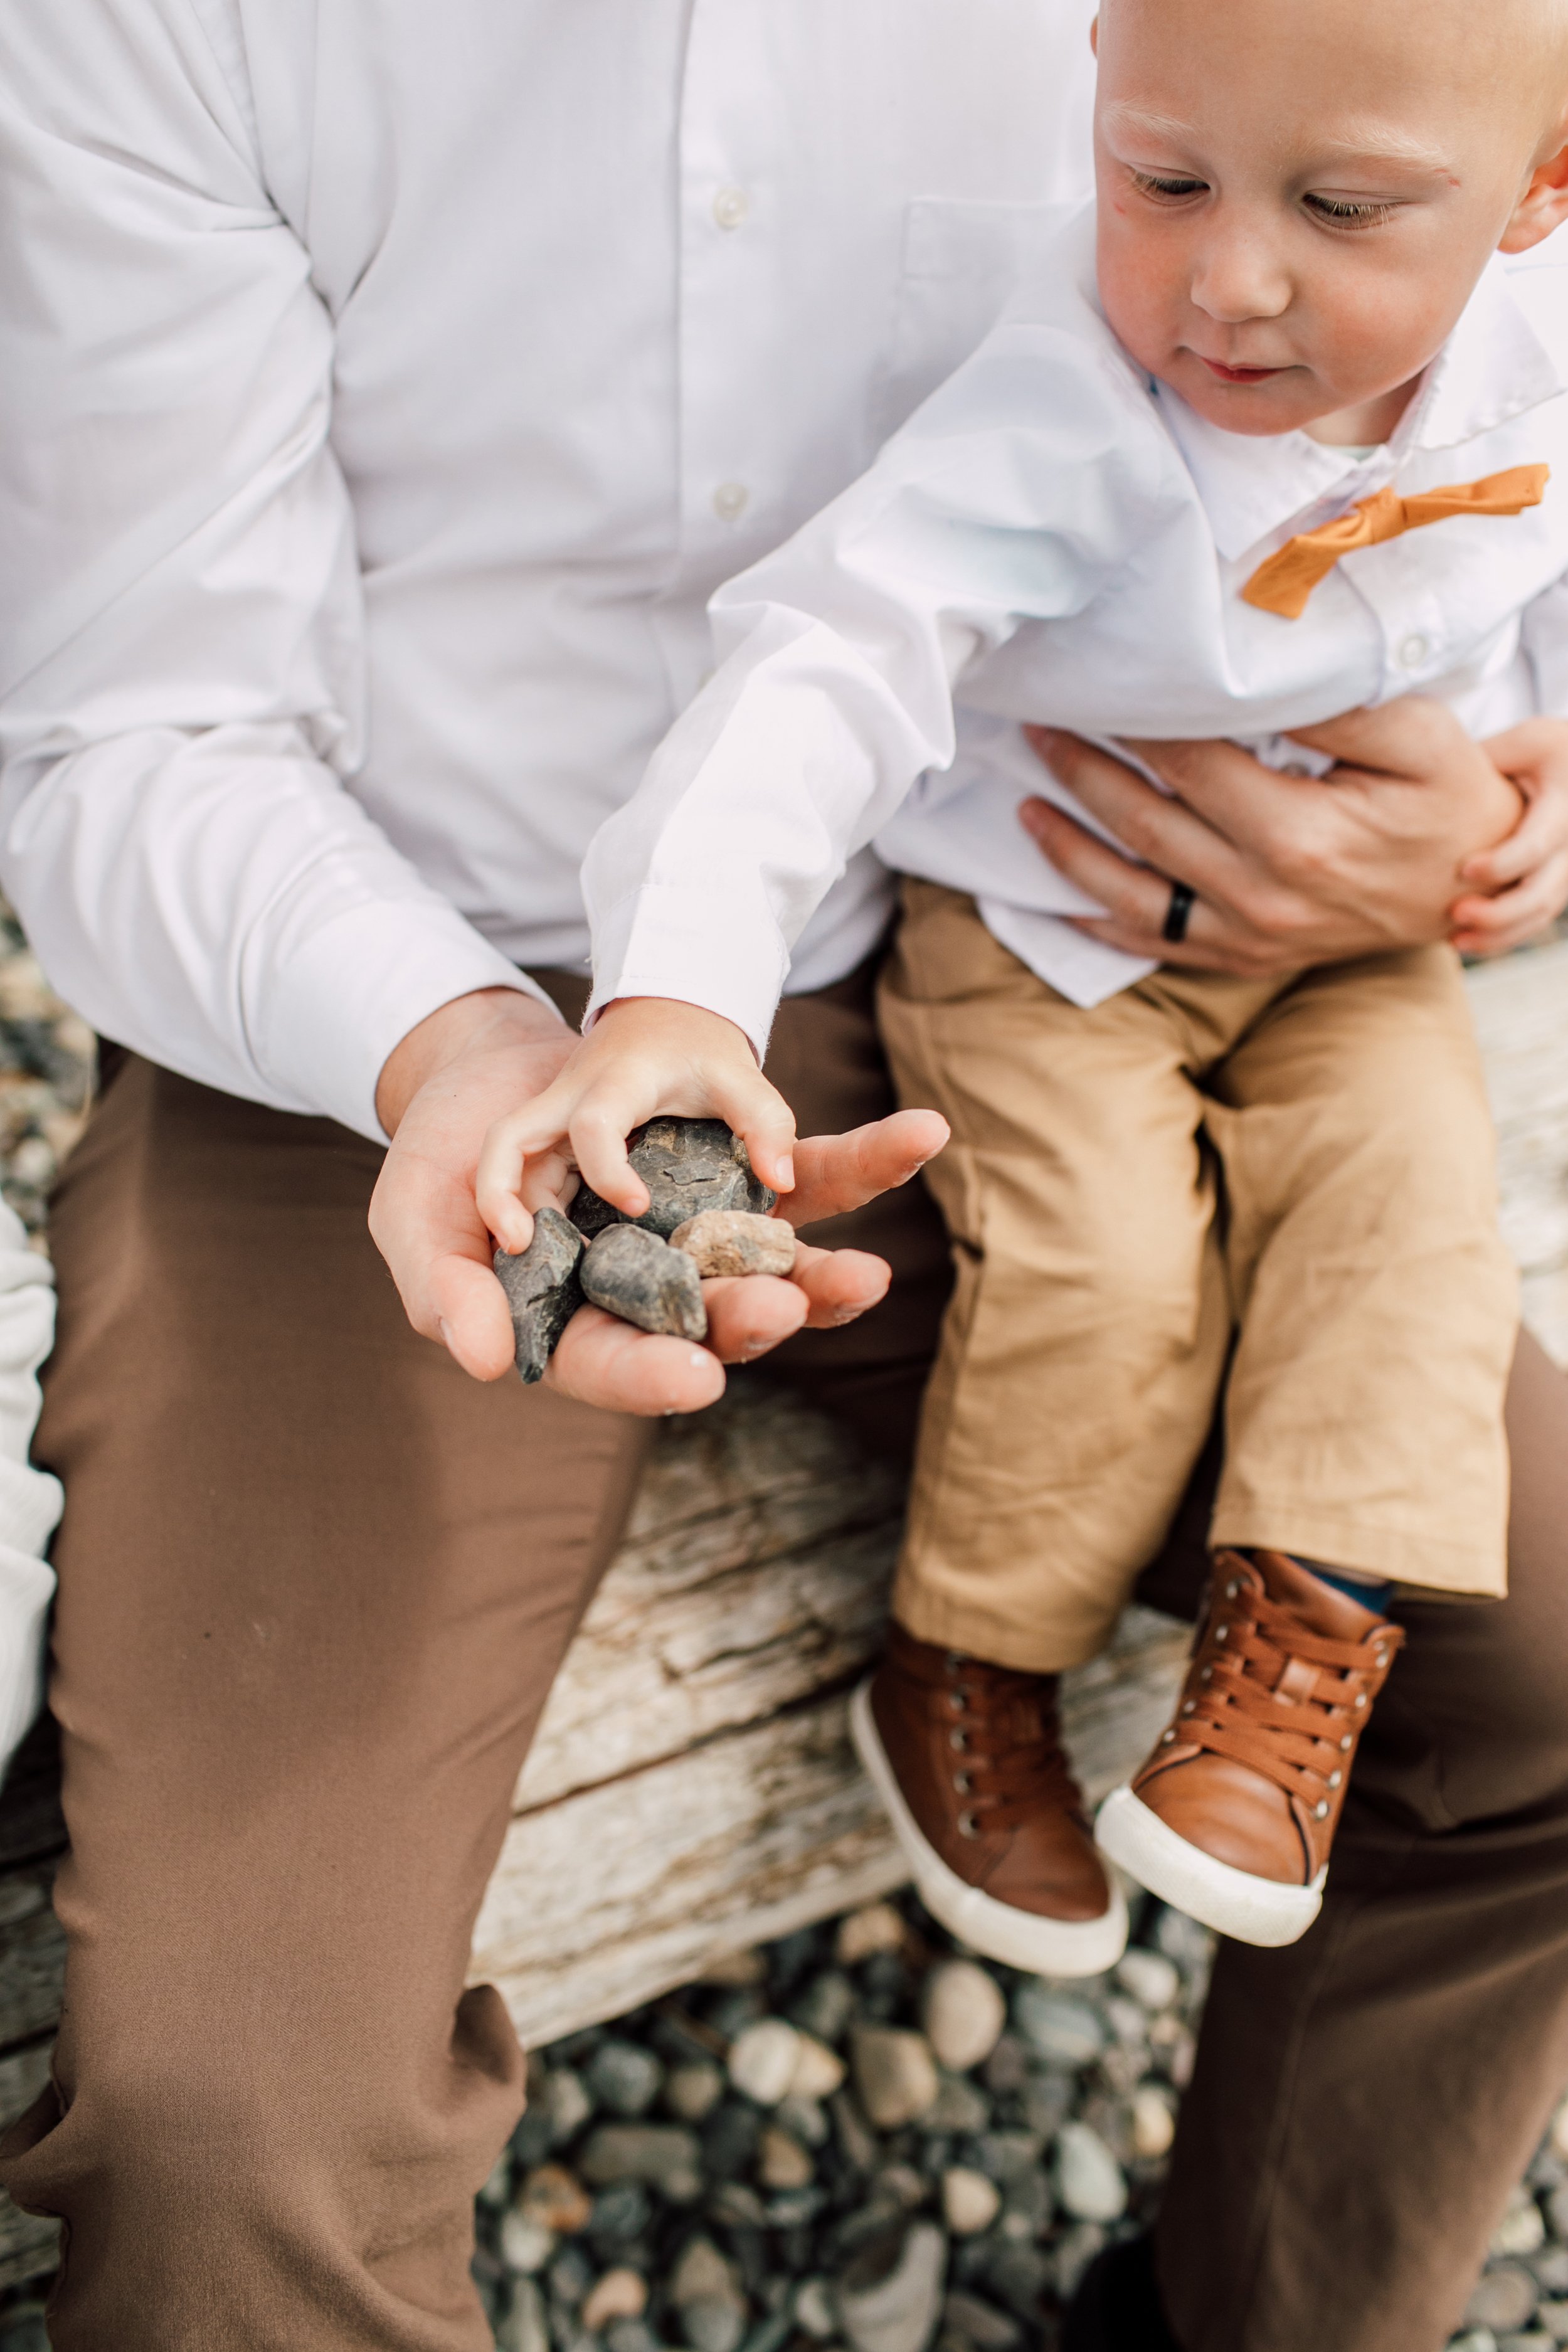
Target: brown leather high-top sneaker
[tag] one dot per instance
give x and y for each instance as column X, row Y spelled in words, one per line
column 1232, row 1818
column 968, row 1760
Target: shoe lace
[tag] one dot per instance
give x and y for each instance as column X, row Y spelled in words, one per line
column 1007, row 1759
column 1265, row 1691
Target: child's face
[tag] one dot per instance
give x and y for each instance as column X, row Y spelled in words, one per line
column 1296, row 196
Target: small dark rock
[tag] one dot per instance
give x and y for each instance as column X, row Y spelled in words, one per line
column 980, row 2323
column 635, row 1276
column 689, row 1165
column 542, row 1289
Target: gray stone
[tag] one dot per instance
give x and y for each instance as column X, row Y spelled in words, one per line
column 1531, row 2341
column 625, row 2078
column 733, row 1242
column 1090, row 2181
column 1060, row 2028
column 960, row 2107
column 689, row 1165
column 623, row 2335
column 1018, row 2276
column 1504, row 2299
column 568, row 2103
column 711, row 2326
column 694, row 2090
column 825, row 2008
column 635, row 1276
column 702, row 2274
column 665, row 2157
column 889, row 2294
column 1550, row 2267
column 963, row 2012
column 522, row 2328
column 543, row 1289
column 895, row 2074
column 1553, row 2318
column 1152, row 1979
column 980, row 2323
column 1072, row 2255
column 814, row 2308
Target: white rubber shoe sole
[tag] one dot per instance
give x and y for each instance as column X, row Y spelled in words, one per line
column 1232, row 1902
column 1023, row 1939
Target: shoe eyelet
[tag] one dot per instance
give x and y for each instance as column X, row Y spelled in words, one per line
column 1190, row 1706
column 961, row 1784
column 1166, row 1737
column 958, row 1739
column 1232, row 1589
column 1346, row 1744
column 1335, row 1779
column 1206, row 1674
column 1222, row 1632
column 967, row 1826
column 959, row 1701
column 1380, row 1657
column 955, row 1662
column 1320, row 1810
column 1360, row 1698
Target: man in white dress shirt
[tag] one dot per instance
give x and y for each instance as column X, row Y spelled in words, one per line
column 384, row 392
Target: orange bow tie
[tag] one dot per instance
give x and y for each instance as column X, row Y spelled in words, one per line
column 1285, row 581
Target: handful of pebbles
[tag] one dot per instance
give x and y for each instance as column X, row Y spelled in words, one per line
column 707, row 1215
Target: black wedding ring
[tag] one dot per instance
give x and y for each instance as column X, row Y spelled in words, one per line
column 1178, row 912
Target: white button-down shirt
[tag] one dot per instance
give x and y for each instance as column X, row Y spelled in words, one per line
column 1055, row 536
column 384, row 388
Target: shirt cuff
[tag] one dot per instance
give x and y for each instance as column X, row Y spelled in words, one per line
column 337, row 1005
column 725, row 952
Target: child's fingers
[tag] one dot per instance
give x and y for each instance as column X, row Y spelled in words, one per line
column 499, row 1177
column 600, row 1124
column 1492, row 926
column 761, row 1117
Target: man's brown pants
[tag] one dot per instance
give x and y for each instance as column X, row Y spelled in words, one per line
column 314, row 1586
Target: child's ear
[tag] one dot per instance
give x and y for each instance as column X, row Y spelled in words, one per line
column 1542, row 208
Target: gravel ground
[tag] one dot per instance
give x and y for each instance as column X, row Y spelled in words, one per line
column 858, row 2139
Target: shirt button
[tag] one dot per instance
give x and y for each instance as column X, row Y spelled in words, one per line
column 730, row 207
column 1413, row 652
column 730, row 501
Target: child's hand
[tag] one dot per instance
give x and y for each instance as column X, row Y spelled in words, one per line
column 1520, row 887
column 645, row 1055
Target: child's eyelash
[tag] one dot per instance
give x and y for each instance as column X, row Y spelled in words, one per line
column 1352, row 215
column 1173, row 185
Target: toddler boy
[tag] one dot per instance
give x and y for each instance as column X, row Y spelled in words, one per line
column 1272, row 431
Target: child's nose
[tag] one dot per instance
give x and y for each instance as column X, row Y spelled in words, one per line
column 1236, row 276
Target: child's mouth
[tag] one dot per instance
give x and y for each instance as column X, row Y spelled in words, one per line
column 1239, row 375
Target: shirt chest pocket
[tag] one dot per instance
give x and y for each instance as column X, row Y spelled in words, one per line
column 961, row 261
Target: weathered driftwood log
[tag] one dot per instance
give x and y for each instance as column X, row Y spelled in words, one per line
column 692, row 1789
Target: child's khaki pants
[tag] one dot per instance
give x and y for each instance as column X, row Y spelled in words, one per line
column 1302, row 1169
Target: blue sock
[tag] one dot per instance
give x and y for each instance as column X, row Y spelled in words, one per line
column 1354, row 1588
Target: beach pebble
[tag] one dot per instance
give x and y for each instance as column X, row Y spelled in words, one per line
column 665, row 2157
column 1059, row 2026
column 970, row 2201
column 635, row 1276
column 895, row 2074
column 1504, row 2299
column 1154, row 2122
column 689, row 1165
column 732, row 1241
column 619, row 2295
column 1153, row 1981
column 764, row 2059
column 878, row 1927
column 526, row 2245
column 889, row 2294
column 623, row 2078
column 1088, row 2180
column 556, row 2199
column 544, row 1290
column 782, row 2161
column 693, row 2091
column 815, row 2309
column 818, row 2070
column 523, row 2326
column 963, row 2012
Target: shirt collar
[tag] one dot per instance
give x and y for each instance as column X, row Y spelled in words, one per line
column 1494, row 366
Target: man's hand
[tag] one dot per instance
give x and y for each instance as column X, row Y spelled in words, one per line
column 472, row 1063
column 1289, row 870
column 1518, row 889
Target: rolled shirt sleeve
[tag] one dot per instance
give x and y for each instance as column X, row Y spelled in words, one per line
column 181, row 627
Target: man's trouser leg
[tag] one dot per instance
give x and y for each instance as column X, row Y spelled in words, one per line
column 315, row 1585
column 1364, row 2100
